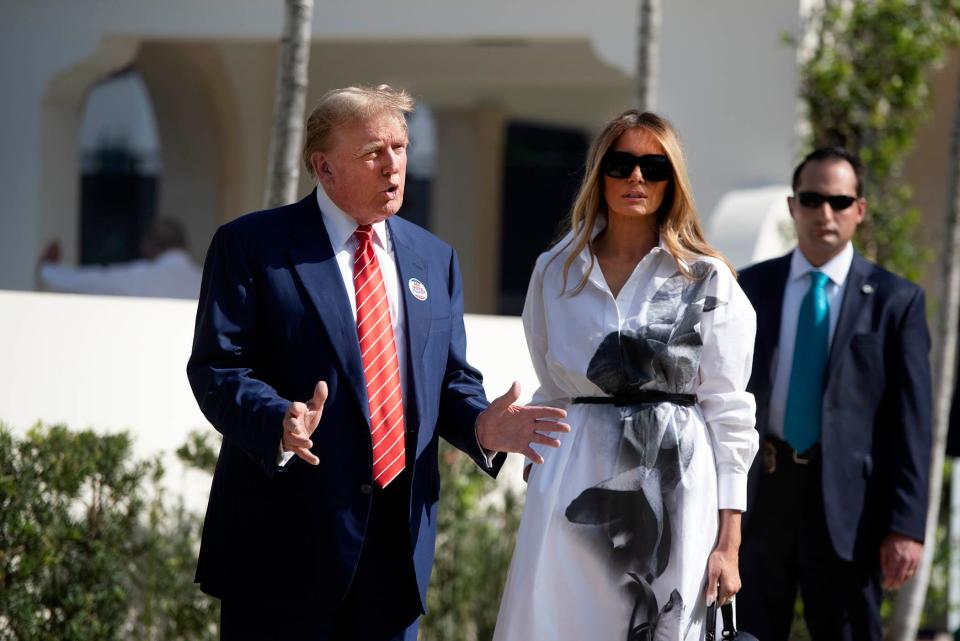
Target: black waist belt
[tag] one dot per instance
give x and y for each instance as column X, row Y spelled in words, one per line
column 642, row 397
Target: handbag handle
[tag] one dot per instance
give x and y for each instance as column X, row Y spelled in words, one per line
column 710, row 623
column 729, row 630
column 726, row 611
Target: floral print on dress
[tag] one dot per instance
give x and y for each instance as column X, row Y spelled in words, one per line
column 662, row 355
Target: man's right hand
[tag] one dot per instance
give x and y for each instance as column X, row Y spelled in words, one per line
column 900, row 556
column 299, row 422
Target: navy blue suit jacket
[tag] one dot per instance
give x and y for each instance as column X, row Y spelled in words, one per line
column 876, row 411
column 273, row 319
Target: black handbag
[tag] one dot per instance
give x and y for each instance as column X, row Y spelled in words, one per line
column 729, row 629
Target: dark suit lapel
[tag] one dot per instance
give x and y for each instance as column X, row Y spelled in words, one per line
column 313, row 259
column 854, row 297
column 412, row 272
column 769, row 308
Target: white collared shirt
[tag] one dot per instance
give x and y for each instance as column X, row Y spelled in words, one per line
column 798, row 283
column 340, row 228
column 172, row 274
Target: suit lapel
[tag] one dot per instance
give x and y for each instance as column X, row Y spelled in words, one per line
column 769, row 311
column 411, row 271
column 315, row 263
column 854, row 297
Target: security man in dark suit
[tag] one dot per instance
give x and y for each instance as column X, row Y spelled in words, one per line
column 838, row 495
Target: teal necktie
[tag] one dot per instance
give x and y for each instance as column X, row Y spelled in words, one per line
column 801, row 422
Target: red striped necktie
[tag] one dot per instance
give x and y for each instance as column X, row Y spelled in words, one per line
column 381, row 369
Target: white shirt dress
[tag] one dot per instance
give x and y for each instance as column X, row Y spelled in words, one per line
column 619, row 521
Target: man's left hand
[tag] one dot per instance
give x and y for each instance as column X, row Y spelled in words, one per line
column 505, row 427
column 899, row 559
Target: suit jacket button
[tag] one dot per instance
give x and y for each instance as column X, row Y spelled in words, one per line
column 365, row 488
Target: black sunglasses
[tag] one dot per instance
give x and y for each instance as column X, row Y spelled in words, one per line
column 812, row 200
column 619, row 164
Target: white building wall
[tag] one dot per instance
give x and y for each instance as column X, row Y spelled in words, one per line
column 726, row 80
column 43, row 39
column 752, row 225
column 729, row 85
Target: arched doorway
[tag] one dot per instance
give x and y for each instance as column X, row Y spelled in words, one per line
column 121, row 169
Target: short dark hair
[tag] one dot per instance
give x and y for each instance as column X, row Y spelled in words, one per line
column 163, row 234
column 832, row 153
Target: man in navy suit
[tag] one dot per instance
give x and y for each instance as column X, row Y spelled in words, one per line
column 313, row 319
column 838, row 494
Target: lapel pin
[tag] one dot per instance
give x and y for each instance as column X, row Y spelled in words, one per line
column 417, row 289
column 867, row 289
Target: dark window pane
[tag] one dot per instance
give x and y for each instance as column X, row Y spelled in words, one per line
column 542, row 171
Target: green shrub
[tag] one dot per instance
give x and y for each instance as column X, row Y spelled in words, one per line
column 866, row 87
column 90, row 548
column 477, row 528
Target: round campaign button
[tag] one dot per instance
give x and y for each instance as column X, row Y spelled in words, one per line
column 417, row 289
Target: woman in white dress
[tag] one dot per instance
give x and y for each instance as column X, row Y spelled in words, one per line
column 636, row 327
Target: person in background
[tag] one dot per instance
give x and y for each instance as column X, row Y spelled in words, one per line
column 166, row 270
column 841, row 374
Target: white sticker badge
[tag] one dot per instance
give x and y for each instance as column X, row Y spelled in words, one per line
column 417, row 289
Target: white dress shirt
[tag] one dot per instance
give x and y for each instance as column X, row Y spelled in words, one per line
column 798, row 283
column 340, row 228
column 563, row 333
column 172, row 274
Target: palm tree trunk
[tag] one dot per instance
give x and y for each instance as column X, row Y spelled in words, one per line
column 906, row 618
column 283, row 166
column 648, row 54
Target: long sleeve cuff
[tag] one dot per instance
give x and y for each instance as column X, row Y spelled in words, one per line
column 731, row 491
column 488, row 455
column 283, row 457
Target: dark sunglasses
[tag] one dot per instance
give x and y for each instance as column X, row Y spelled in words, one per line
column 619, row 164
column 812, row 200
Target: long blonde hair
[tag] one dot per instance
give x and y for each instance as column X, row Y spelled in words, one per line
column 677, row 218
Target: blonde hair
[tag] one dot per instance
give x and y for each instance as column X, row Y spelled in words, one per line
column 677, row 219
column 338, row 107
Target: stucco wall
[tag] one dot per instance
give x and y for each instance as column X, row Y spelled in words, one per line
column 725, row 79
